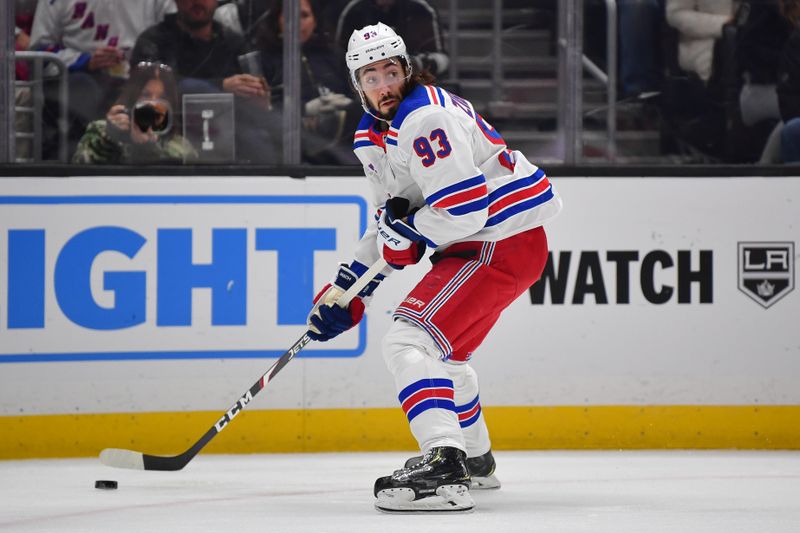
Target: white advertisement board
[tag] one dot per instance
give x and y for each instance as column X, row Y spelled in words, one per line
column 169, row 294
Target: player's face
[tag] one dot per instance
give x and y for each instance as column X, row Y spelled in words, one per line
column 383, row 83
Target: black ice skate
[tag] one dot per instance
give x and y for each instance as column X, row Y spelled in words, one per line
column 438, row 482
column 481, row 469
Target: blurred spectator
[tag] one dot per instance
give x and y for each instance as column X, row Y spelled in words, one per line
column 142, row 127
column 23, row 98
column 790, row 9
column 93, row 38
column 743, row 78
column 762, row 33
column 699, row 24
column 202, row 52
column 94, row 35
column 329, row 115
column 729, row 51
column 640, row 29
column 416, row 20
column 789, row 87
column 695, row 94
column 640, row 26
column 204, row 56
column 242, row 16
column 23, row 22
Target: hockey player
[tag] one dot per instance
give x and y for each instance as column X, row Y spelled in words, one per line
column 442, row 178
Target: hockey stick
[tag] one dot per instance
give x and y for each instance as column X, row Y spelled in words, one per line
column 119, row 458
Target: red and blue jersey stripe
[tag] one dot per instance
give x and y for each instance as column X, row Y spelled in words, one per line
column 391, row 137
column 520, row 195
column 461, row 198
column 489, row 132
column 469, row 413
column 436, row 95
column 367, row 135
column 362, row 139
column 425, row 394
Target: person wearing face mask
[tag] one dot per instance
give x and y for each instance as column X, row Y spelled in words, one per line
column 328, row 113
column 441, row 178
column 141, row 127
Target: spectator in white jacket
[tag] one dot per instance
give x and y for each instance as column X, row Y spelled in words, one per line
column 699, row 24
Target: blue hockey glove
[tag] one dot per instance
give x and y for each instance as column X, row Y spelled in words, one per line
column 331, row 321
column 327, row 320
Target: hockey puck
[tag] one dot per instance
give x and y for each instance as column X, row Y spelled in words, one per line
column 106, row 484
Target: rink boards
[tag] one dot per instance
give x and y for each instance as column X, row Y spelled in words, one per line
column 134, row 311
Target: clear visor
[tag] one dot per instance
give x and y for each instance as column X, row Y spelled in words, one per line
column 386, row 73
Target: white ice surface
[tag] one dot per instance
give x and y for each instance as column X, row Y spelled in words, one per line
column 594, row 492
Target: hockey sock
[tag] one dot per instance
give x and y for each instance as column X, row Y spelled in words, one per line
column 468, row 409
column 425, row 390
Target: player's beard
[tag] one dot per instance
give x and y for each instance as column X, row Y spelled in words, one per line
column 389, row 115
column 398, row 98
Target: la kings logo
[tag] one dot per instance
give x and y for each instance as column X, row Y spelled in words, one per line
column 766, row 270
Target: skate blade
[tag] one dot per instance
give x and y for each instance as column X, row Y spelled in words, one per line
column 485, row 483
column 448, row 499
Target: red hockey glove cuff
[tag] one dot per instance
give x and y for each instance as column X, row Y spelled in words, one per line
column 398, row 242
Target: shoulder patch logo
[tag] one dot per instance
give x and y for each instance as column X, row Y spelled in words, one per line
column 766, row 271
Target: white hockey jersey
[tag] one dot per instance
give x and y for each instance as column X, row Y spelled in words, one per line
column 455, row 168
column 73, row 29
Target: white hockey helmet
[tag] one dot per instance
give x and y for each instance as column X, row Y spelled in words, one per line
column 374, row 43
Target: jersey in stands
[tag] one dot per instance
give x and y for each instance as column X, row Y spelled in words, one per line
column 73, row 29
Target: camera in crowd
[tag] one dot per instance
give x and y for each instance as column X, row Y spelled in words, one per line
column 152, row 114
